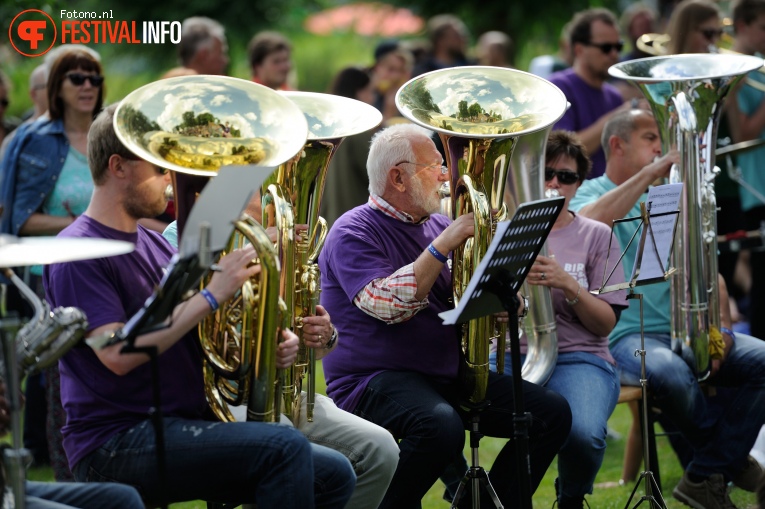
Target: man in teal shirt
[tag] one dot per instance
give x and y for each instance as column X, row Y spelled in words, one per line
column 720, row 440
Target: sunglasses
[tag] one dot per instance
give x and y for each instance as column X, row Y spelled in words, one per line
column 77, row 79
column 711, row 33
column 132, row 157
column 564, row 177
column 4, row 103
column 607, row 47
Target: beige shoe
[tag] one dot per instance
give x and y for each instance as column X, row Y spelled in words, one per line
column 749, row 477
column 709, row 494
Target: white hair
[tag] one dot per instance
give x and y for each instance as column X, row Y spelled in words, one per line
column 41, row 72
column 388, row 148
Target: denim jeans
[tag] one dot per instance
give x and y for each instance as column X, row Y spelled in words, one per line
column 427, row 418
column 372, row 451
column 62, row 495
column 721, row 439
column 591, row 387
column 272, row 465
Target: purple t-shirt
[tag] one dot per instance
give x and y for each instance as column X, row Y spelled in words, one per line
column 365, row 244
column 99, row 403
column 588, row 104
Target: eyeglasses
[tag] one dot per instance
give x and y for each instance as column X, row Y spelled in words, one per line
column 4, row 103
column 607, row 47
column 444, row 169
column 564, row 177
column 78, row 79
column 711, row 33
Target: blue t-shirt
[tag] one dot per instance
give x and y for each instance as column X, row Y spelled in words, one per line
column 656, row 303
column 750, row 161
column 99, row 403
column 365, row 244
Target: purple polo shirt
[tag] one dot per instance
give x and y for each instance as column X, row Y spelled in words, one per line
column 99, row 403
column 363, row 245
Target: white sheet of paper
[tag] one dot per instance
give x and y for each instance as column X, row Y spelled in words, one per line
column 662, row 199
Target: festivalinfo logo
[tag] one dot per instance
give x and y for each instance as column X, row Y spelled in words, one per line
column 34, row 32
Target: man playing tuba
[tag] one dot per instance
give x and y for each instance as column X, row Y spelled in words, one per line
column 107, row 396
column 720, row 429
column 385, row 278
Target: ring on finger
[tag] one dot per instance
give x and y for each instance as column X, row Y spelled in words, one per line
column 542, row 276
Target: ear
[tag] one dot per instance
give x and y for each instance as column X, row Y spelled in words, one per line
column 117, row 166
column 396, row 179
column 615, row 145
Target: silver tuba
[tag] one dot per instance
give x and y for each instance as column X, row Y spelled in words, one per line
column 686, row 93
column 481, row 115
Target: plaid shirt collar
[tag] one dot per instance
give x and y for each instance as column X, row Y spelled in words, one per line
column 378, row 203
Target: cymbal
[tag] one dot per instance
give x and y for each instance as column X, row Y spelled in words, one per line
column 23, row 251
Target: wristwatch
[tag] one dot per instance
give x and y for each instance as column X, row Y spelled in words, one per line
column 525, row 307
column 332, row 339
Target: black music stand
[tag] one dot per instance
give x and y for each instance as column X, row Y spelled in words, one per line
column 661, row 225
column 208, row 228
column 492, row 289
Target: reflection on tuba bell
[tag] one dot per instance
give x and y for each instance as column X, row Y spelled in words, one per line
column 292, row 196
column 194, row 125
column 686, row 94
column 480, row 114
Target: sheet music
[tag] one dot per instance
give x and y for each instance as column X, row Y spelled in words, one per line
column 662, row 199
column 510, row 254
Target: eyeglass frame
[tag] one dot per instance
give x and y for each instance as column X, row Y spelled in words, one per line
column 558, row 173
column 444, row 168
column 606, row 47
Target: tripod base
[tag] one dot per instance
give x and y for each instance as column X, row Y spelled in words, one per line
column 651, row 487
column 478, row 479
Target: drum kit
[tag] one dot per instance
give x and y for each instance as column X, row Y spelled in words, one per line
column 47, row 336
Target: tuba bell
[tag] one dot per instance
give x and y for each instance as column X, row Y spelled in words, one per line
column 193, row 125
column 292, row 196
column 481, row 114
column 686, row 94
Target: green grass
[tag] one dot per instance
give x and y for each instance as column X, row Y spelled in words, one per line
column 607, row 493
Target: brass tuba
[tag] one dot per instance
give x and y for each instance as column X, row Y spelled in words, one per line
column 194, row 125
column 292, row 196
column 686, row 94
column 481, row 114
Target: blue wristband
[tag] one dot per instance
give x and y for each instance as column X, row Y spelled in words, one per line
column 209, row 298
column 435, row 252
column 729, row 332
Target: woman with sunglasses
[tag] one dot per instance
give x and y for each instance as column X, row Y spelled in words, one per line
column 694, row 27
column 585, row 372
column 47, row 183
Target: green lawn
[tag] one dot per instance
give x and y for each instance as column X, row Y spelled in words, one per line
column 607, row 494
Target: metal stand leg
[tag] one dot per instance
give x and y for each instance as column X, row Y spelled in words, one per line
column 16, row 457
column 651, row 487
column 476, row 476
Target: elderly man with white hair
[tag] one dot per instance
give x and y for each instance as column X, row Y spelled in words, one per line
column 385, row 277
